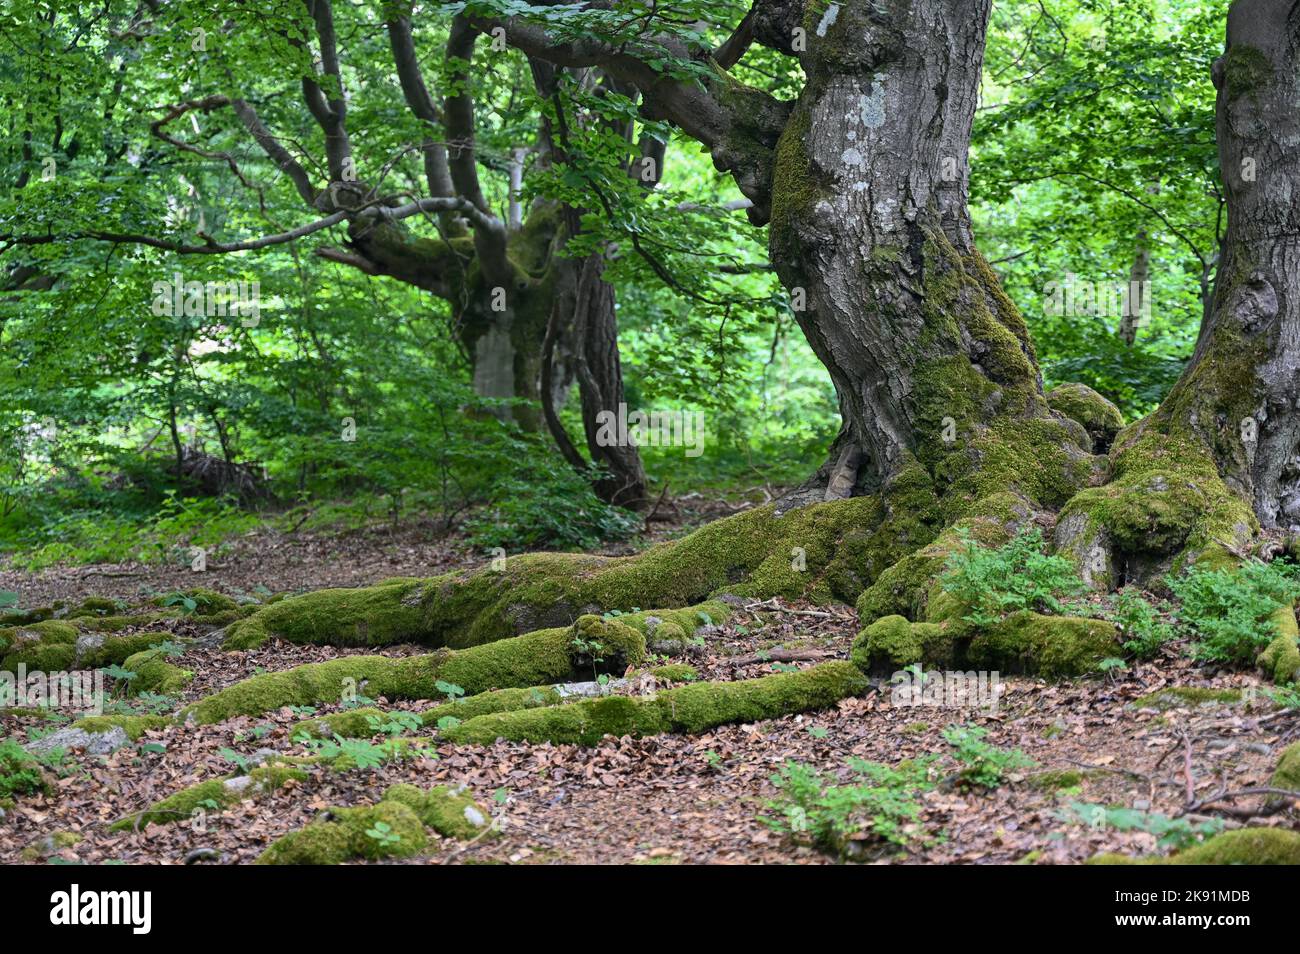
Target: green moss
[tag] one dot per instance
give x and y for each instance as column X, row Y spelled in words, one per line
column 153, row 673
column 135, row 726
column 1280, row 659
column 1026, row 642
column 207, row 602
column 676, row 672
column 692, row 709
column 1099, row 417
column 95, row 653
column 113, row 624
column 750, row 553
column 1175, row 696
column 98, row 606
column 499, row 700
column 1246, row 70
column 350, row 724
column 214, row 794
column 1056, row 778
column 1051, row 646
column 1287, row 773
column 892, row 643
column 1243, row 846
column 451, row 812
column 409, row 677
column 589, row 647
column 48, row 646
column 366, row 616
column 50, row 845
column 342, row 836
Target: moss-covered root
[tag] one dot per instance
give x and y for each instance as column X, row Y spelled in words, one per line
column 394, row 828
column 816, row 551
column 691, row 709
column 1025, row 642
column 1244, row 846
column 451, row 812
column 1165, row 507
column 591, row 646
column 64, row 645
column 135, row 726
column 214, row 794
column 1280, row 659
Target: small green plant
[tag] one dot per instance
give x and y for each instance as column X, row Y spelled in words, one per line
column 1173, row 833
column 187, row 603
column 361, row 752
column 880, row 804
column 20, row 772
column 235, row 759
column 383, row 833
column 449, row 689
column 1284, row 697
column 1141, row 628
column 1227, row 610
column 1016, row 576
column 393, row 723
column 981, row 763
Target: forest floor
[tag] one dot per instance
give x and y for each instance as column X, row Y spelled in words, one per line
column 666, row 799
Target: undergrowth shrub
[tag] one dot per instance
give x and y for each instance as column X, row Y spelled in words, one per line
column 879, row 804
column 982, row 763
column 1227, row 610
column 1015, row 576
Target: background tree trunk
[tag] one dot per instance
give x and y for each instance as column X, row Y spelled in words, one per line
column 1240, row 392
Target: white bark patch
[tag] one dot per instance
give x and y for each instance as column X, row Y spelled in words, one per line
column 828, row 19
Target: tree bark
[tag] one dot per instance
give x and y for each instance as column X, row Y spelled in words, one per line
column 1240, row 392
column 871, row 234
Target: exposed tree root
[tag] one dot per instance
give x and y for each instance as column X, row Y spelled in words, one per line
column 215, row 794
column 821, row 551
column 591, row 646
column 690, row 709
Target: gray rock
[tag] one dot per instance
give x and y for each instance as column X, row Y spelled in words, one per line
column 94, row 743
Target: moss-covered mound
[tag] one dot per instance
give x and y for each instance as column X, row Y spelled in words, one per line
column 153, row 673
column 1099, row 417
column 1287, row 773
column 394, row 828
column 1244, row 846
column 1024, row 642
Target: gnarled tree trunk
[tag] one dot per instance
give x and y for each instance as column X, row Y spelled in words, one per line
column 871, row 234
column 1241, row 391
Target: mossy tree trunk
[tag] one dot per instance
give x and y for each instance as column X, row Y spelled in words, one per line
column 1239, row 395
column 871, row 234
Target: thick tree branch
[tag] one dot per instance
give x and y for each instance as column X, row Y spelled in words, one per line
column 436, row 170
column 738, row 124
